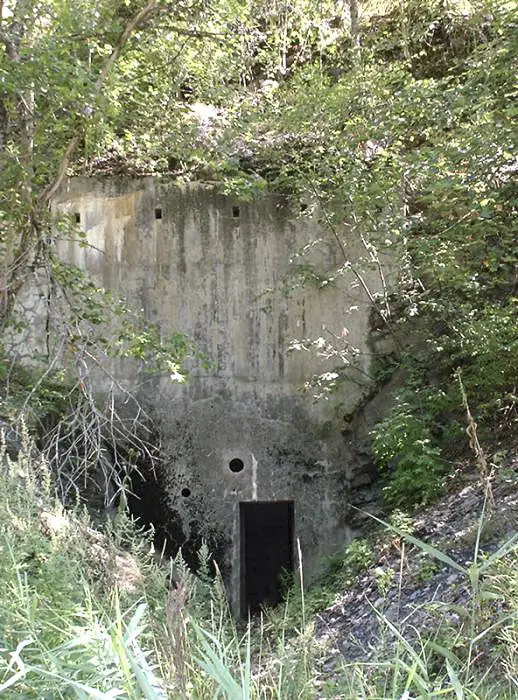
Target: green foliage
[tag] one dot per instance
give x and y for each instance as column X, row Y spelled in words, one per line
column 479, row 575
column 427, row 568
column 49, row 105
column 432, row 664
column 384, row 577
column 99, row 323
column 341, row 571
column 397, row 132
column 409, row 145
column 408, row 456
column 48, row 391
column 402, row 521
column 65, row 626
column 358, row 556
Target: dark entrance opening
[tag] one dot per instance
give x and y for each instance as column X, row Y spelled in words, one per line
column 266, row 552
column 146, row 503
column 149, row 503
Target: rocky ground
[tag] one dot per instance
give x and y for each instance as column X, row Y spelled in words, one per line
column 411, row 591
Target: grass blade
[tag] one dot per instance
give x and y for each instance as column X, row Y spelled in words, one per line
column 424, row 546
column 506, row 548
column 455, row 682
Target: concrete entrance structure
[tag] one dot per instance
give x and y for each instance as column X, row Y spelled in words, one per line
column 227, row 274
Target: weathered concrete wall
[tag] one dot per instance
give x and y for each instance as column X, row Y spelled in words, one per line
column 218, row 271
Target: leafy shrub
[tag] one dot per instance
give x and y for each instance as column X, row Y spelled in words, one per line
column 427, row 568
column 66, row 626
column 343, row 568
column 359, row 555
column 402, row 521
column 408, row 457
column 385, row 577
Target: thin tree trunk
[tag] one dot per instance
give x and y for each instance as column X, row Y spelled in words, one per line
column 130, row 27
column 355, row 22
column 29, row 243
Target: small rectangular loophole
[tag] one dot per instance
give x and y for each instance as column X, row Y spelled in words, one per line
column 235, row 212
column 158, row 213
column 77, row 217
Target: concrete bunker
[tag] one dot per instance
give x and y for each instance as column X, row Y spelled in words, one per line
column 242, row 282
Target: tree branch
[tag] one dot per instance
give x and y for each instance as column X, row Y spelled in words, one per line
column 130, row 27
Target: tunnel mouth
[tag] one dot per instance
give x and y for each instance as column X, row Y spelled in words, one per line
column 266, row 552
column 145, row 502
column 150, row 507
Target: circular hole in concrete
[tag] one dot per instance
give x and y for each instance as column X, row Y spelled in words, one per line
column 236, row 465
column 186, row 492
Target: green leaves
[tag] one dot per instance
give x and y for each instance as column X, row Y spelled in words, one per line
column 406, row 452
column 214, row 661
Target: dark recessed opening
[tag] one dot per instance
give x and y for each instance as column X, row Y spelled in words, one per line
column 158, row 213
column 266, row 552
column 236, row 465
column 303, row 207
column 148, row 504
column 235, row 212
column 77, row 217
column 148, row 501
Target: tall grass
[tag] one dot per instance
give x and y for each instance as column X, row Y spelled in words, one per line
column 477, row 659
column 68, row 628
column 66, row 631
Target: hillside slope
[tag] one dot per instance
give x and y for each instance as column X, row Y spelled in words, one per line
column 421, row 593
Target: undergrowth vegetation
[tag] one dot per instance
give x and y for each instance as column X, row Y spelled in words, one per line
column 397, row 129
column 409, row 145
column 87, row 614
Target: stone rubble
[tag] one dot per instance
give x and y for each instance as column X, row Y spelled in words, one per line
column 414, row 592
